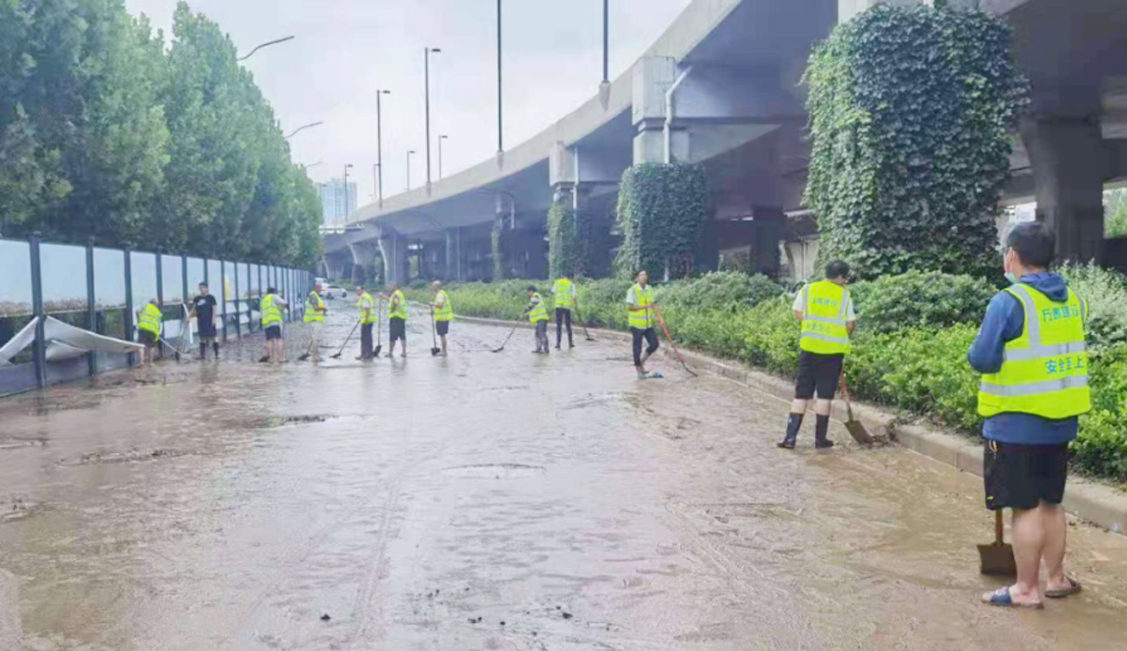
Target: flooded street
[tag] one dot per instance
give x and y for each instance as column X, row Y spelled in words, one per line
column 488, row 501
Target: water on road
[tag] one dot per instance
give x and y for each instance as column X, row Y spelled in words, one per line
column 487, row 501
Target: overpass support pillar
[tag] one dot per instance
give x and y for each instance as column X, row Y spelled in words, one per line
column 393, row 247
column 768, row 226
column 454, row 265
column 1069, row 158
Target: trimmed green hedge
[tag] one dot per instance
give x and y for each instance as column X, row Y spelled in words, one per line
column 920, row 368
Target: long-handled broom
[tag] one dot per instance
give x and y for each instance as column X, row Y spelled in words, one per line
column 669, row 337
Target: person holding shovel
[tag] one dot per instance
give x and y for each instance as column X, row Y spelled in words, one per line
column 443, row 312
column 150, row 322
column 315, row 312
column 367, row 320
column 640, row 305
column 397, row 318
column 1031, row 351
column 825, row 310
column 566, row 299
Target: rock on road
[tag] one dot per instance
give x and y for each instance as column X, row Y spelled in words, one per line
column 487, row 501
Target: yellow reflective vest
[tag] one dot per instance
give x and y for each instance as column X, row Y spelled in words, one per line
column 539, row 311
column 642, row 298
column 1045, row 370
column 271, row 313
column 398, row 307
column 446, row 312
column 565, row 294
column 151, row 319
column 366, row 303
column 312, row 302
column 824, row 313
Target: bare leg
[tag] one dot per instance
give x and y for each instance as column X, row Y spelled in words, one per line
column 444, row 345
column 1056, row 537
column 1029, row 544
column 798, row 406
column 404, row 354
column 822, row 407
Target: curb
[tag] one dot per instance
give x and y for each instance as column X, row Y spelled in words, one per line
column 1096, row 503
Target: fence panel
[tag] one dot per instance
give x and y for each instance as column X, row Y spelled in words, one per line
column 143, row 274
column 64, row 282
column 172, row 282
column 195, row 276
column 15, row 281
column 109, row 292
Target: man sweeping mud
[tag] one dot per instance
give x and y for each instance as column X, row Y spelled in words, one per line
column 1032, row 353
column 640, row 308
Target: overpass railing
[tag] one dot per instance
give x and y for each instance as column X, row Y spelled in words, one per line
column 100, row 289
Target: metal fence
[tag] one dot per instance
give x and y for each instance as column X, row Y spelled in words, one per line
column 40, row 278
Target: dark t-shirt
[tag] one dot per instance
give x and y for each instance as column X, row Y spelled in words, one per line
column 205, row 313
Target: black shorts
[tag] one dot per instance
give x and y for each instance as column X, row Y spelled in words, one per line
column 443, row 328
column 148, row 338
column 818, row 372
column 398, row 329
column 1020, row 476
column 273, row 332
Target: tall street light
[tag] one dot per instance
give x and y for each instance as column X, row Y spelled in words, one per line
column 440, row 139
column 268, row 44
column 604, row 87
column 303, row 128
column 426, row 81
column 379, row 146
column 500, row 121
column 346, row 168
column 409, row 169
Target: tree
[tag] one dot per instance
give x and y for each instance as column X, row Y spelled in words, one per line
column 1115, row 212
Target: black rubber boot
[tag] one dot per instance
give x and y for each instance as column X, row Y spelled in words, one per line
column 794, row 423
column 215, row 349
column 821, row 430
column 203, row 352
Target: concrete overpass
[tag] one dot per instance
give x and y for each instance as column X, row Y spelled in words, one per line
column 721, row 87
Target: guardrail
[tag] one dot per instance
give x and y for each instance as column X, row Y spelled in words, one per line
column 40, row 278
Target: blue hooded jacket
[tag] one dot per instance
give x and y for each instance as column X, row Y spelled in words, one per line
column 1004, row 322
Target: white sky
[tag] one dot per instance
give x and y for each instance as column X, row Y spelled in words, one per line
column 345, row 49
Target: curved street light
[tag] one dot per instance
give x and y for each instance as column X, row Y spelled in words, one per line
column 275, row 42
column 300, row 129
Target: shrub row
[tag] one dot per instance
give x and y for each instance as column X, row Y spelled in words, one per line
column 910, row 351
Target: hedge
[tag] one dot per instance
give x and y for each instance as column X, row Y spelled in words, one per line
column 919, row 368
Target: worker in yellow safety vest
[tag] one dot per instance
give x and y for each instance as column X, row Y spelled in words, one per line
column 397, row 318
column 443, row 312
column 367, row 307
column 270, row 307
column 566, row 300
column 1032, row 352
column 315, row 312
column 641, row 317
column 150, row 323
column 538, row 315
column 828, row 319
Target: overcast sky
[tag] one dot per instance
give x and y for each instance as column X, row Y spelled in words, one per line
column 345, row 49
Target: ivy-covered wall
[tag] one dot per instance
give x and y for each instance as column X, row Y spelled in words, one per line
column 571, row 242
column 911, row 111
column 661, row 213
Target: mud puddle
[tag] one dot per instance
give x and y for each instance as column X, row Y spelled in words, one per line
column 495, row 471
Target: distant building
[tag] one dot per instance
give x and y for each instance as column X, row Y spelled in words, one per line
column 333, row 201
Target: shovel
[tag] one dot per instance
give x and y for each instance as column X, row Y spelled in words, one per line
column 511, row 332
column 582, row 323
column 434, row 349
column 669, row 338
column 379, row 330
column 998, row 557
column 855, row 427
column 348, row 339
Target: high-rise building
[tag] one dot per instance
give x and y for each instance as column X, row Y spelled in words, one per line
column 333, row 203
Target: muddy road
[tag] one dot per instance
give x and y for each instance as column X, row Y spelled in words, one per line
column 487, row 501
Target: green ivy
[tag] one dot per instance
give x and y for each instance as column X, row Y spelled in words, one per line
column 499, row 250
column 570, row 242
column 661, row 212
column 911, row 111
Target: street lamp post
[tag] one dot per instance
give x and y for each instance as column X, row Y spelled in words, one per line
column 500, row 121
column 274, row 42
column 440, row 139
column 426, row 81
column 303, row 128
column 346, row 168
column 379, row 145
column 604, row 87
column 409, row 169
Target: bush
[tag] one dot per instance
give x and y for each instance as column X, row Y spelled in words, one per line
column 1106, row 293
column 920, row 300
column 722, row 290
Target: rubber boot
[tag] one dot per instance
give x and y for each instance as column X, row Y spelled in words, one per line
column 821, row 430
column 794, row 423
column 215, row 349
column 203, row 352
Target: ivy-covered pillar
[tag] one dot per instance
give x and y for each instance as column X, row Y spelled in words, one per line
column 662, row 210
column 500, row 263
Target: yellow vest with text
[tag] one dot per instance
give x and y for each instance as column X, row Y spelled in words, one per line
column 538, row 312
column 151, row 319
column 565, row 294
column 366, row 303
column 645, row 298
column 398, row 305
column 824, row 313
column 1045, row 370
column 312, row 302
column 271, row 313
column 446, row 312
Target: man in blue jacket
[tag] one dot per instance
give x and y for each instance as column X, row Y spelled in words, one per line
column 1031, row 351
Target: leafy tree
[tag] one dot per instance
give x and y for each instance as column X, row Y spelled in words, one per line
column 1115, row 212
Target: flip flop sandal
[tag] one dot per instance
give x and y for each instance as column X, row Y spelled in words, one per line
column 1001, row 597
column 1073, row 587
